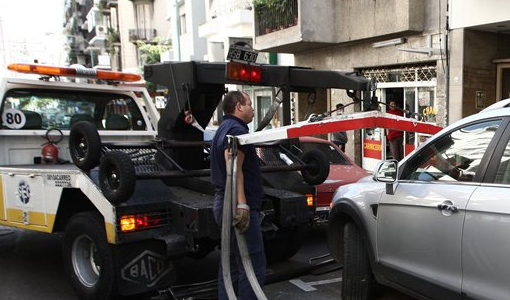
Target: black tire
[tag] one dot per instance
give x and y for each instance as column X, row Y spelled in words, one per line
column 85, row 145
column 357, row 273
column 88, row 258
column 117, row 177
column 318, row 167
column 284, row 244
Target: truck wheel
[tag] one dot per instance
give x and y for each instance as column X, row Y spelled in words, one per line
column 117, row 176
column 318, row 167
column 357, row 274
column 88, row 258
column 284, row 244
column 84, row 145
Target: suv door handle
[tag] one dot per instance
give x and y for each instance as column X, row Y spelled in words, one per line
column 446, row 206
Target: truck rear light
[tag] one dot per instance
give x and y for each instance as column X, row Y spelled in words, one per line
column 310, row 201
column 244, row 72
column 136, row 222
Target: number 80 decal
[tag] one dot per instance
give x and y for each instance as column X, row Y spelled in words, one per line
column 13, row 118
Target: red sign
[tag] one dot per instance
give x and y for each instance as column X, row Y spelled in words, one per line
column 372, row 149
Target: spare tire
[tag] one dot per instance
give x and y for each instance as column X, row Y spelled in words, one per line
column 117, row 177
column 85, row 145
column 317, row 169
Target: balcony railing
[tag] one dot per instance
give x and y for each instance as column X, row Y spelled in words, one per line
column 139, row 34
column 275, row 15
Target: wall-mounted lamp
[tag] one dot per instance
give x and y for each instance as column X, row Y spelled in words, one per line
column 389, row 43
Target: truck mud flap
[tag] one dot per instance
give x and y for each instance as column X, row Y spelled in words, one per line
column 143, row 266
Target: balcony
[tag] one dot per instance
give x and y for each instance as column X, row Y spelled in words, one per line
column 271, row 16
column 292, row 26
column 139, row 34
column 98, row 35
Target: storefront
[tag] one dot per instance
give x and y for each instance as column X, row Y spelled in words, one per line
column 413, row 88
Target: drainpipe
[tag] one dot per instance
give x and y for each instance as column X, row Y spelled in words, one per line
column 447, row 72
column 177, row 38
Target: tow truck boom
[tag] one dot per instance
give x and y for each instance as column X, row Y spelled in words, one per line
column 199, row 86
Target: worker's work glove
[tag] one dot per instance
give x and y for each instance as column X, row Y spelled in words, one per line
column 242, row 217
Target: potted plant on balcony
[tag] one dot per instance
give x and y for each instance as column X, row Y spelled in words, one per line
column 264, row 12
column 275, row 14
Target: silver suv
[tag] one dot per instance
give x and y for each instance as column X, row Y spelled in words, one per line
column 437, row 224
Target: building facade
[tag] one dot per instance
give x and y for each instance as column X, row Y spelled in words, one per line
column 429, row 68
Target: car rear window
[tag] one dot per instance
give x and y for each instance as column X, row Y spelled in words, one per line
column 334, row 156
column 44, row 109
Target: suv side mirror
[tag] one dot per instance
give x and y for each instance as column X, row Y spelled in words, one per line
column 386, row 171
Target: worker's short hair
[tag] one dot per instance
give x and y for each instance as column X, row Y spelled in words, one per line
column 231, row 99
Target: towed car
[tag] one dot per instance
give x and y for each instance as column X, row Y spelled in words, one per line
column 342, row 170
column 435, row 225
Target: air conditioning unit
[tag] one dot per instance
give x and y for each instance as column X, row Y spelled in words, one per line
column 101, row 30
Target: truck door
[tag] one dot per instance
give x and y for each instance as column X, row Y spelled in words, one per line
column 24, row 199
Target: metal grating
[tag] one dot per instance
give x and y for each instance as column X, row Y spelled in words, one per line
column 402, row 73
column 270, row 156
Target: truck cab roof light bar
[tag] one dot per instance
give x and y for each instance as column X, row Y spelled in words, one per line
column 73, row 72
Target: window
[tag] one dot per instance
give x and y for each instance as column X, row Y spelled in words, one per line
column 503, row 173
column 44, row 109
column 143, row 16
column 182, row 20
column 453, row 157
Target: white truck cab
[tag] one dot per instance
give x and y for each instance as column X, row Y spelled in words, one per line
column 107, row 249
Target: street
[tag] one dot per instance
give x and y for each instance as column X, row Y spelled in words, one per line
column 31, row 268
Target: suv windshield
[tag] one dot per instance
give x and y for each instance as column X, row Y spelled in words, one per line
column 44, row 109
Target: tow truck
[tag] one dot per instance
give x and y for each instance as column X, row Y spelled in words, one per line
column 128, row 189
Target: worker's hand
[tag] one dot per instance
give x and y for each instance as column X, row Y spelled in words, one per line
column 242, row 218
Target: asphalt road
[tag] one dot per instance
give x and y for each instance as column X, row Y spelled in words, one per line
column 31, row 268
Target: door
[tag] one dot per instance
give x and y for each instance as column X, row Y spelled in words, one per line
column 419, row 229
column 485, row 256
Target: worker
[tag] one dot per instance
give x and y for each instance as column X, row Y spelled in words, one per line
column 339, row 137
column 395, row 137
column 238, row 110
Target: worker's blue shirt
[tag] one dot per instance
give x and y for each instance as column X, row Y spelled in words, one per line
column 234, row 126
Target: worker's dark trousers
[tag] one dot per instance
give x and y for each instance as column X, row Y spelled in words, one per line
column 256, row 249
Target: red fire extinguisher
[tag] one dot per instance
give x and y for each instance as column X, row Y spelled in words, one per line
column 50, row 150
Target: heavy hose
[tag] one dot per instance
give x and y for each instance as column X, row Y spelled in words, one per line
column 227, row 223
column 230, row 200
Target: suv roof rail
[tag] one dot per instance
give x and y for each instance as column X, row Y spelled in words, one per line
column 499, row 104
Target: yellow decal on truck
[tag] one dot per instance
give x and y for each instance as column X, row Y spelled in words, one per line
column 2, row 206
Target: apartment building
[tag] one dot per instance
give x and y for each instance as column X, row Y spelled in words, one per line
column 108, row 34
column 442, row 59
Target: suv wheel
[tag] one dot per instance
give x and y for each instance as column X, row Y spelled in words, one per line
column 357, row 274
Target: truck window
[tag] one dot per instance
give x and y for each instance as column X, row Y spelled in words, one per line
column 44, row 109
